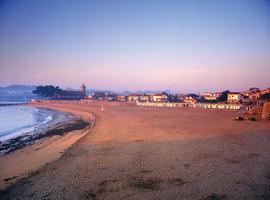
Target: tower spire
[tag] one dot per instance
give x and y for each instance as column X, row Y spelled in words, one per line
column 83, row 89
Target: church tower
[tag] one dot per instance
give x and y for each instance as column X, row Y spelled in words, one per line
column 83, row 89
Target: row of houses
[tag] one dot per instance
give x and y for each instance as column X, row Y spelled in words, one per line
column 250, row 96
column 160, row 97
column 163, row 97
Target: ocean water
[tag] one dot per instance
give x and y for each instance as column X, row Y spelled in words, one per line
column 19, row 120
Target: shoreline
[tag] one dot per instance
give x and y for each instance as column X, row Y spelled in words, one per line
column 59, row 124
column 32, row 151
column 50, row 117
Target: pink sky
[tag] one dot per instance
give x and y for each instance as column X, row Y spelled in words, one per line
column 183, row 46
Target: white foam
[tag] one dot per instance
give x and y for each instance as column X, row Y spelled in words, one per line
column 24, row 131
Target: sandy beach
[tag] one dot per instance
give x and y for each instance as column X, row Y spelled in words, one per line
column 145, row 153
column 22, row 155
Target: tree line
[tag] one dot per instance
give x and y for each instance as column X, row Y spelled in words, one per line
column 47, row 91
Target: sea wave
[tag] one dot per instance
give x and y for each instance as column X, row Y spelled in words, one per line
column 26, row 130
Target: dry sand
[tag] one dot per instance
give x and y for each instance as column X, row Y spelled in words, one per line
column 154, row 153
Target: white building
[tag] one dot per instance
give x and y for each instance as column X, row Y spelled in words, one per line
column 134, row 97
column 159, row 97
column 211, row 96
column 234, row 97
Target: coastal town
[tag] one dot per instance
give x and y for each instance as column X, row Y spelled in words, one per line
column 251, row 100
column 252, row 96
column 249, row 97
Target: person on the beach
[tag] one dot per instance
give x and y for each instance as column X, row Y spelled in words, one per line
column 102, row 109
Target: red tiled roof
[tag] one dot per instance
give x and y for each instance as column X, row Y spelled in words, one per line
column 159, row 94
column 234, row 93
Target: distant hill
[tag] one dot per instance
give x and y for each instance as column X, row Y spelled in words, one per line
column 17, row 93
column 17, row 90
column 20, row 88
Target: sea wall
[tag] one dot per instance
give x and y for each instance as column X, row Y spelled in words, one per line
column 196, row 105
column 266, row 111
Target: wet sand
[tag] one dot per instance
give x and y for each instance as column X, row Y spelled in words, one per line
column 155, row 153
column 23, row 162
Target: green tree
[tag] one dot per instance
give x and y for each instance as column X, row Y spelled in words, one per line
column 194, row 96
column 223, row 96
column 47, row 91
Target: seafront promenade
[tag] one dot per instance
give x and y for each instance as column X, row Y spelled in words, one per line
column 222, row 106
column 194, row 105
